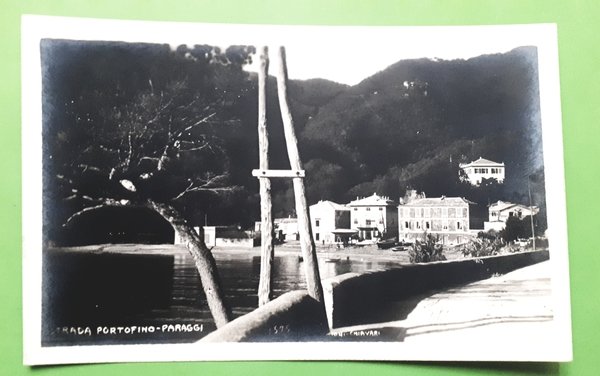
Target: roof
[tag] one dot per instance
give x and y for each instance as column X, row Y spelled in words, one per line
column 344, row 231
column 439, row 201
column 482, row 162
column 501, row 205
column 285, row 220
column 374, row 200
column 330, row 204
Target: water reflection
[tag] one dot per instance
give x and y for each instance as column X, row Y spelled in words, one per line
column 239, row 274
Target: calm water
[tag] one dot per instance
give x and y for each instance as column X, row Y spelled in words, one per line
column 239, row 274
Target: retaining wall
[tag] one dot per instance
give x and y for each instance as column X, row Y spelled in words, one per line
column 352, row 299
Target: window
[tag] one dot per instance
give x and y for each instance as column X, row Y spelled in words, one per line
column 406, row 225
column 317, row 236
column 381, row 221
column 355, row 209
column 368, row 222
column 317, row 222
column 368, row 209
column 458, row 226
column 427, row 225
column 418, row 225
column 355, row 221
column 465, row 212
column 380, row 209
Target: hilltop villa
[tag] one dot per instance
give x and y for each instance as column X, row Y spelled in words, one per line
column 480, row 169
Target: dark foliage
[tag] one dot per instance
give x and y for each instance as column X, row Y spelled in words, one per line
column 409, row 125
column 428, row 249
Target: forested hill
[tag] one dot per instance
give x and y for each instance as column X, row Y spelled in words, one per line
column 409, row 125
column 414, row 122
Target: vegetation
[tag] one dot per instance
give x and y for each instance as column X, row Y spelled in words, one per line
column 481, row 247
column 137, row 126
column 520, row 228
column 426, row 250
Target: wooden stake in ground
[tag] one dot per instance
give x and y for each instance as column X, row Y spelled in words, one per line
column 266, row 227
column 311, row 267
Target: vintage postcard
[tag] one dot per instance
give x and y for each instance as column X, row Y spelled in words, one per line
column 233, row 192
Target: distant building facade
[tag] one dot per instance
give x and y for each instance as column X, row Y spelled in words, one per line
column 374, row 217
column 283, row 228
column 447, row 217
column 474, row 172
column 223, row 236
column 329, row 222
column 500, row 211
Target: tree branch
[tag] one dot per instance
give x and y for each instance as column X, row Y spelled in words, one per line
column 106, row 202
column 201, row 121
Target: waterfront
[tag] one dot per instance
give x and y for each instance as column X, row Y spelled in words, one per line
column 186, row 318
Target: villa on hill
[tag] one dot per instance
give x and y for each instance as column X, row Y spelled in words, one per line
column 474, row 172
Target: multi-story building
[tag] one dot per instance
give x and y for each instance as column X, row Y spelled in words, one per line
column 330, row 222
column 474, row 172
column 447, row 217
column 374, row 217
column 500, row 211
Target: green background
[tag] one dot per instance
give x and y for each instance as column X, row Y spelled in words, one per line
column 579, row 33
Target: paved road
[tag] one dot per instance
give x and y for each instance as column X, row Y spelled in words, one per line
column 518, row 303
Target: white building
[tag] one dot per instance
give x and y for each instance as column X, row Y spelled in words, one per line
column 374, row 217
column 329, row 221
column 285, row 229
column 480, row 169
column 447, row 217
column 223, row 236
column 500, row 211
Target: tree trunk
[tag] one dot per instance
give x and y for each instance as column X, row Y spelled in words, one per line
column 205, row 263
column 266, row 229
column 311, row 267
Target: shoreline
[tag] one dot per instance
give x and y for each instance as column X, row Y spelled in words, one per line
column 362, row 253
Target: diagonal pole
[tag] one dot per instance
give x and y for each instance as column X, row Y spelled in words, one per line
column 307, row 245
column 266, row 228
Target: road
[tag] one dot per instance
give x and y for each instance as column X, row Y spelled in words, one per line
column 513, row 305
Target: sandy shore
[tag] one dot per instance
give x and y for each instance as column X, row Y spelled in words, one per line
column 366, row 252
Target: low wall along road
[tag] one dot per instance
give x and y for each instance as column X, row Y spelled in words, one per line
column 352, row 299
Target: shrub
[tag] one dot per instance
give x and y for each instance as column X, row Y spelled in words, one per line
column 426, row 250
column 481, row 247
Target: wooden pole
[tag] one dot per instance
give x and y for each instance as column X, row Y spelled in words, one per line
column 311, row 267
column 531, row 211
column 266, row 227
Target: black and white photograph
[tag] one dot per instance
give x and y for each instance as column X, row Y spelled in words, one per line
column 234, row 192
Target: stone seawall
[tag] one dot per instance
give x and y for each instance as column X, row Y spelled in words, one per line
column 352, row 299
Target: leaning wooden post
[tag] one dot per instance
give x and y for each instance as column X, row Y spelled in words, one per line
column 311, row 267
column 266, row 227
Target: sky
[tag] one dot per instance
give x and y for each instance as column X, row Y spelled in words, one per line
column 345, row 54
